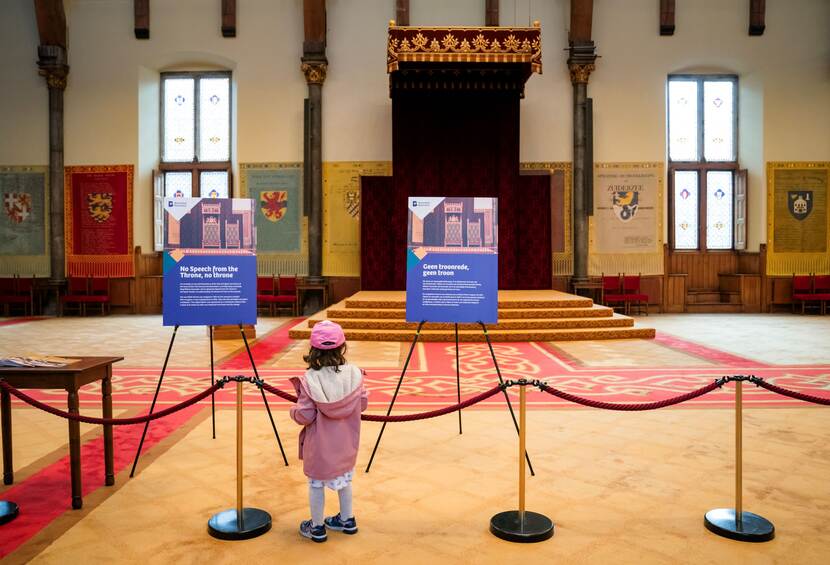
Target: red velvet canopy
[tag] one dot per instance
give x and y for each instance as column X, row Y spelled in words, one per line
column 455, row 132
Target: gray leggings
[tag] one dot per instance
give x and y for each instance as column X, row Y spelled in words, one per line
column 317, row 499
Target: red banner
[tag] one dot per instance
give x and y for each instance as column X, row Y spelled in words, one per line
column 98, row 204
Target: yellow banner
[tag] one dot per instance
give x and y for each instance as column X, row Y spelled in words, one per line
column 798, row 223
column 341, row 213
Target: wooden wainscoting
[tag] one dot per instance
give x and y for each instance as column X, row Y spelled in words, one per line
column 148, row 284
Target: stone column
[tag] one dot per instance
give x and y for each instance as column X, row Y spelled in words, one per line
column 580, row 64
column 53, row 67
column 314, row 70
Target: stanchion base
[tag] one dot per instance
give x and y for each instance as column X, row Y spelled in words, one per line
column 224, row 525
column 8, row 511
column 754, row 528
column 508, row 526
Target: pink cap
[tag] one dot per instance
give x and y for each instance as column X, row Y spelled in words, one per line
column 327, row 335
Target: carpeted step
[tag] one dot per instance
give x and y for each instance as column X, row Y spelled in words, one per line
column 575, row 334
column 524, row 299
column 617, row 321
column 339, row 311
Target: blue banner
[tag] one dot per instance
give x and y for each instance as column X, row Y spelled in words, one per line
column 209, row 262
column 452, row 260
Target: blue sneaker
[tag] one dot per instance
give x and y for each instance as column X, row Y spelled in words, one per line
column 312, row 532
column 339, row 524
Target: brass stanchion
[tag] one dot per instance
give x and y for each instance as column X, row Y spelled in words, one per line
column 239, row 523
column 736, row 523
column 521, row 525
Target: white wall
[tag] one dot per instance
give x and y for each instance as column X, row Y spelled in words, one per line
column 111, row 102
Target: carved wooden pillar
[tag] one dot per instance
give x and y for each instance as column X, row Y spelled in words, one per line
column 53, row 67
column 402, row 12
column 582, row 56
column 491, row 15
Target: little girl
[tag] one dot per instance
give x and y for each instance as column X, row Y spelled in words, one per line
column 331, row 397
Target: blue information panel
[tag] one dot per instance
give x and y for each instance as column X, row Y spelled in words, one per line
column 452, row 271
column 209, row 262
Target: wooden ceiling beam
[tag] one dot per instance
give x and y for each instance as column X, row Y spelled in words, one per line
column 314, row 26
column 141, row 13
column 228, row 18
column 757, row 17
column 402, row 12
column 666, row 17
column 51, row 22
column 582, row 12
column 491, row 15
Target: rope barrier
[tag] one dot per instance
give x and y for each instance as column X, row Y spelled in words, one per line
column 633, row 407
column 422, row 415
column 112, row 421
column 791, row 393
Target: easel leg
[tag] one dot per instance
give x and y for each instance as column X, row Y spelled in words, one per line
column 506, row 397
column 458, row 377
column 264, row 400
column 155, row 397
column 212, row 382
column 395, row 396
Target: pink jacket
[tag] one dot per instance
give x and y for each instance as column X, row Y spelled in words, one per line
column 328, row 407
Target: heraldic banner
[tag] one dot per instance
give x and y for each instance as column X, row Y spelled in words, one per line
column 209, row 262
column 452, row 261
column 798, row 218
column 626, row 230
column 24, row 222
column 282, row 238
column 341, row 213
column 98, row 221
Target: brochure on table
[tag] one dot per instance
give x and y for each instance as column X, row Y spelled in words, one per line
column 452, row 259
column 209, row 261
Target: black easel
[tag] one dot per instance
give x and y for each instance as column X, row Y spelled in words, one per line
column 212, row 401
column 458, row 381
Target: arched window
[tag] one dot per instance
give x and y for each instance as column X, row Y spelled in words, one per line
column 195, row 143
column 708, row 190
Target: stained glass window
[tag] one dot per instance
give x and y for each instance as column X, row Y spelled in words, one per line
column 718, row 120
column 178, row 184
column 214, row 119
column 178, row 115
column 685, row 210
column 214, row 184
column 683, row 133
column 719, row 210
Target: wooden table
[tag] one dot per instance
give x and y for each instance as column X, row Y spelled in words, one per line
column 593, row 286
column 304, row 286
column 70, row 378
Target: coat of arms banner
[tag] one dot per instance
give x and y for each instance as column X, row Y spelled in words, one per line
column 276, row 189
column 24, row 221
column 98, row 220
column 798, row 218
column 626, row 231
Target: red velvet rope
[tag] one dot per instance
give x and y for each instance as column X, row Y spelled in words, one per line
column 791, row 393
column 403, row 417
column 111, row 421
column 629, row 407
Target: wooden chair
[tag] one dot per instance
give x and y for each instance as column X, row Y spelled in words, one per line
column 632, row 295
column 99, row 293
column 612, row 294
column 15, row 291
column 821, row 286
column 81, row 291
column 803, row 292
column 265, row 296
column 286, row 293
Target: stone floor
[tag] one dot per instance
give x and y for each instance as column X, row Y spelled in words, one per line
column 620, row 487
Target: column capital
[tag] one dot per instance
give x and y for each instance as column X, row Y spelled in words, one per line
column 314, row 71
column 580, row 72
column 581, row 61
column 52, row 65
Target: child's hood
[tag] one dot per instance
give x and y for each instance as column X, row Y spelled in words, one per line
column 334, row 392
